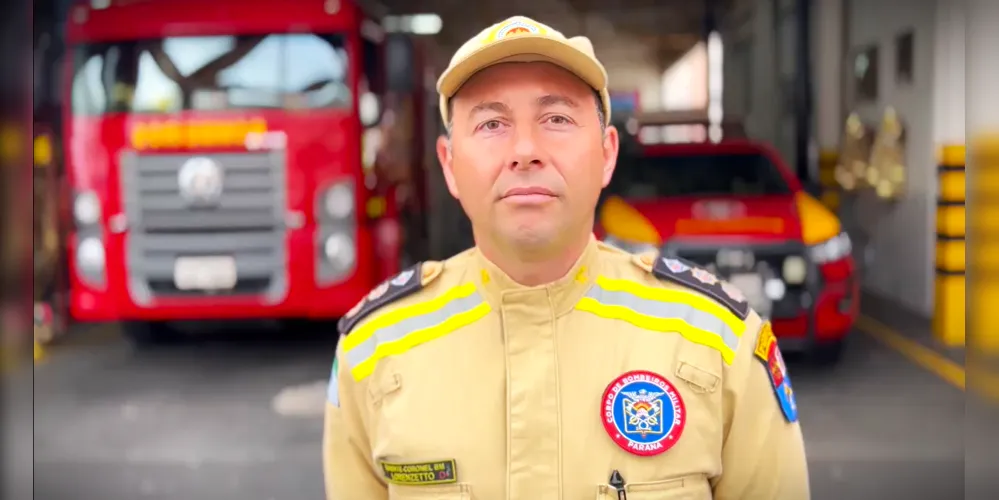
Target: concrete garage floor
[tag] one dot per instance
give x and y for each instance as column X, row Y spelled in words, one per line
column 199, row 422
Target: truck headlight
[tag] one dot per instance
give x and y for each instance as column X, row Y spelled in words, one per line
column 87, row 208
column 630, row 246
column 794, row 270
column 339, row 201
column 90, row 255
column 339, row 251
column 833, row 249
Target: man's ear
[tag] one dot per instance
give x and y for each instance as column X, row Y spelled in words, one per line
column 611, row 146
column 446, row 159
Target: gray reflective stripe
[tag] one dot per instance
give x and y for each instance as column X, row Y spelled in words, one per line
column 391, row 333
column 333, row 391
column 656, row 309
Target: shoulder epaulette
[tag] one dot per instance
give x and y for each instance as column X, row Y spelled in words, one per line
column 690, row 275
column 401, row 285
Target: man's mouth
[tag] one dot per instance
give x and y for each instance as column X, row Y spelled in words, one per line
column 536, row 192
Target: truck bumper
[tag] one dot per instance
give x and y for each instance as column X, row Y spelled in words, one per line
column 303, row 298
column 829, row 320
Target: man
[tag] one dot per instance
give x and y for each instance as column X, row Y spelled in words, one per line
column 542, row 364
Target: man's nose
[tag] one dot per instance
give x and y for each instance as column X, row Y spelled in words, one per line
column 526, row 153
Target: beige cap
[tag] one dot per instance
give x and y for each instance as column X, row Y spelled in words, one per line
column 521, row 39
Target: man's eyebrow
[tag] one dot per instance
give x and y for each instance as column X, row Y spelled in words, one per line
column 494, row 106
column 554, row 100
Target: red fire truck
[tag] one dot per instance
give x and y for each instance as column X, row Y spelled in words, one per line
column 234, row 159
column 732, row 206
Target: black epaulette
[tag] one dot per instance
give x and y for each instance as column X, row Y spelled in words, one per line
column 401, row 285
column 689, row 274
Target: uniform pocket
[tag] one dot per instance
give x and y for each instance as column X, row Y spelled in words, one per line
column 454, row 491
column 699, row 379
column 693, row 487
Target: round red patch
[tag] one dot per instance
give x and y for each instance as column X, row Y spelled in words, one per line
column 643, row 413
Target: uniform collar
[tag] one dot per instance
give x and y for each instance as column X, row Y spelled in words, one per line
column 559, row 296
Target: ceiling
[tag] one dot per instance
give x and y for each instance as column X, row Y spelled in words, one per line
column 665, row 28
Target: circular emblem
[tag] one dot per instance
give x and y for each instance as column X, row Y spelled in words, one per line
column 200, row 181
column 517, row 28
column 643, row 413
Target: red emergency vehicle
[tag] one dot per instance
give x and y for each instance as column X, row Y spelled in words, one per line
column 223, row 158
column 732, row 206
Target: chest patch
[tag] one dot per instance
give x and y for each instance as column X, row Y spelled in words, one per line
column 688, row 274
column 643, row 413
column 441, row 472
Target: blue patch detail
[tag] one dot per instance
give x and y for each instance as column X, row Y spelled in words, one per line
column 333, row 391
column 643, row 413
column 645, row 399
column 781, row 383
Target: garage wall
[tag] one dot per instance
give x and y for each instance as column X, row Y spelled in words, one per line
column 759, row 68
column 631, row 67
column 898, row 239
column 895, row 242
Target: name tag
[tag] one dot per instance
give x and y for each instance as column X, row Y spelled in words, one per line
column 441, row 472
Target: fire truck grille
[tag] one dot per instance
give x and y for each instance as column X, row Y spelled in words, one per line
column 243, row 222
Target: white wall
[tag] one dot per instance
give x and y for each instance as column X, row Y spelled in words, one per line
column 630, row 69
column 754, row 88
column 950, row 72
column 900, row 238
column 685, row 83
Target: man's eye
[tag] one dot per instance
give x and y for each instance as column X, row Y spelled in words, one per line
column 491, row 125
column 559, row 120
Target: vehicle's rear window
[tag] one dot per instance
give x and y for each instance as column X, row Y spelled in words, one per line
column 712, row 174
column 276, row 71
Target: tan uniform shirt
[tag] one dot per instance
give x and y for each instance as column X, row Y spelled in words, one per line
column 455, row 383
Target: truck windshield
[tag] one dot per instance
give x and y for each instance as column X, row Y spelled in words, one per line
column 277, row 71
column 711, row 174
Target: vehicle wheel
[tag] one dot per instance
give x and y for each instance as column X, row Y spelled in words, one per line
column 151, row 333
column 829, row 353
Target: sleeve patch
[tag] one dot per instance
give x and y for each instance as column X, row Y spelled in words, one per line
column 401, row 285
column 333, row 391
column 768, row 352
column 688, row 274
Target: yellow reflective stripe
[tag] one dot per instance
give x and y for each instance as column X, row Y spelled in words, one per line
column 673, row 325
column 699, row 302
column 696, row 318
column 364, row 332
column 417, row 337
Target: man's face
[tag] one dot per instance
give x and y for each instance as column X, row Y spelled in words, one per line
column 527, row 156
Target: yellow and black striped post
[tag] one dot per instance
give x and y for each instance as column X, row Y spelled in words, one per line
column 948, row 316
column 828, row 159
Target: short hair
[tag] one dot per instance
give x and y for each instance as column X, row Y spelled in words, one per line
column 596, row 96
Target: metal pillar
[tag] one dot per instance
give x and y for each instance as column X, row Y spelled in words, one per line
column 803, row 88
